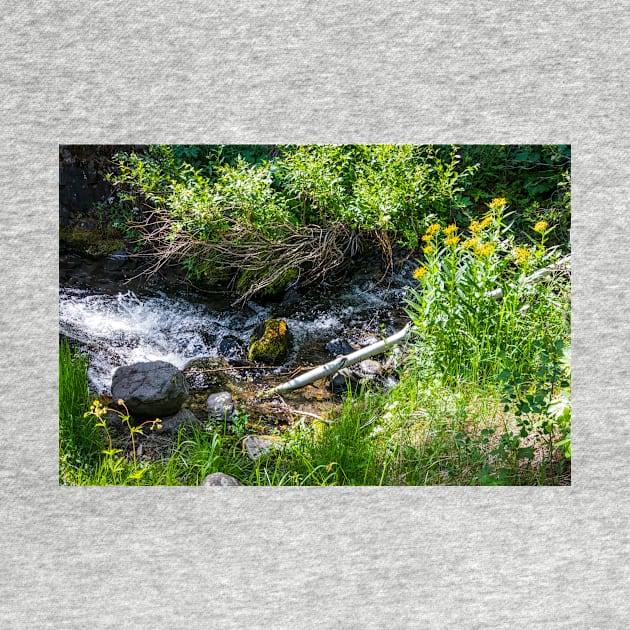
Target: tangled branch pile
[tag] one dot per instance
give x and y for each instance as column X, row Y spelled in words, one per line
column 254, row 263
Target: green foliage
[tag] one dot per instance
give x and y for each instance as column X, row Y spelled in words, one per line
column 534, row 178
column 251, row 200
column 466, row 329
column 541, row 402
column 79, row 441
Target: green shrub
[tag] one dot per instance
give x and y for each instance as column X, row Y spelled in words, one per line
column 304, row 207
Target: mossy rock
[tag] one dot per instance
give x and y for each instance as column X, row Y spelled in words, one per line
column 270, row 342
column 93, row 242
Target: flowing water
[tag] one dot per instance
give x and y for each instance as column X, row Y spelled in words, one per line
column 120, row 326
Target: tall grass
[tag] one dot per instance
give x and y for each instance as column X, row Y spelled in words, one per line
column 80, row 442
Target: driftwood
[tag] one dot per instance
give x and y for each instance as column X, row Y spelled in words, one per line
column 380, row 346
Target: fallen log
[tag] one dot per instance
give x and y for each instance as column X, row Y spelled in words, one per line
column 380, row 346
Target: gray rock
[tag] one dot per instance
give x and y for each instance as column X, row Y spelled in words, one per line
column 338, row 347
column 221, row 479
column 171, row 424
column 154, row 389
column 220, row 406
column 363, row 373
column 256, row 446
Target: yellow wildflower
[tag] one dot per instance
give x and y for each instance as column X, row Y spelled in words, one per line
column 475, row 226
column 427, row 237
column 419, row 272
column 434, row 228
column 484, row 250
column 487, row 220
column 521, row 255
column 497, row 203
column 471, row 242
column 541, row 226
column 428, row 249
column 451, row 240
column 451, row 229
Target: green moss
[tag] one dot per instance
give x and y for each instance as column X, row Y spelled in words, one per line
column 273, row 345
column 246, row 279
column 93, row 242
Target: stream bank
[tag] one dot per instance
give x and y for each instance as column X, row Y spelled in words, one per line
column 119, row 317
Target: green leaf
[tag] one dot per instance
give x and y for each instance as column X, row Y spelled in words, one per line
column 525, row 453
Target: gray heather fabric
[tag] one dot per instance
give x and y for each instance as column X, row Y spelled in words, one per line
column 439, row 71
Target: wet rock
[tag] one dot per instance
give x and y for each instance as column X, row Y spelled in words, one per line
column 338, row 347
column 171, row 424
column 291, row 298
column 363, row 373
column 231, row 347
column 207, row 373
column 255, row 446
column 220, row 407
column 270, row 342
column 150, row 390
column 64, row 216
column 221, row 479
column 116, row 259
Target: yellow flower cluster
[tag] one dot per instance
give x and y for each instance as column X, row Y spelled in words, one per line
column 432, row 230
column 451, row 229
column 484, row 250
column 428, row 249
column 97, row 409
column 452, row 239
column 497, row 203
column 475, row 226
column 471, row 242
column 521, row 255
column 419, row 272
column 541, row 226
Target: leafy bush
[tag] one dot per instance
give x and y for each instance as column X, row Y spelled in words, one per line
column 535, row 178
column 309, row 208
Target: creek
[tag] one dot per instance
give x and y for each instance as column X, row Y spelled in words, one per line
column 119, row 320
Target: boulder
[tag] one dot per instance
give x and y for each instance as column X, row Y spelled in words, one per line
column 231, row 347
column 221, row 479
column 255, row 446
column 270, row 342
column 171, row 424
column 220, row 407
column 154, row 389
